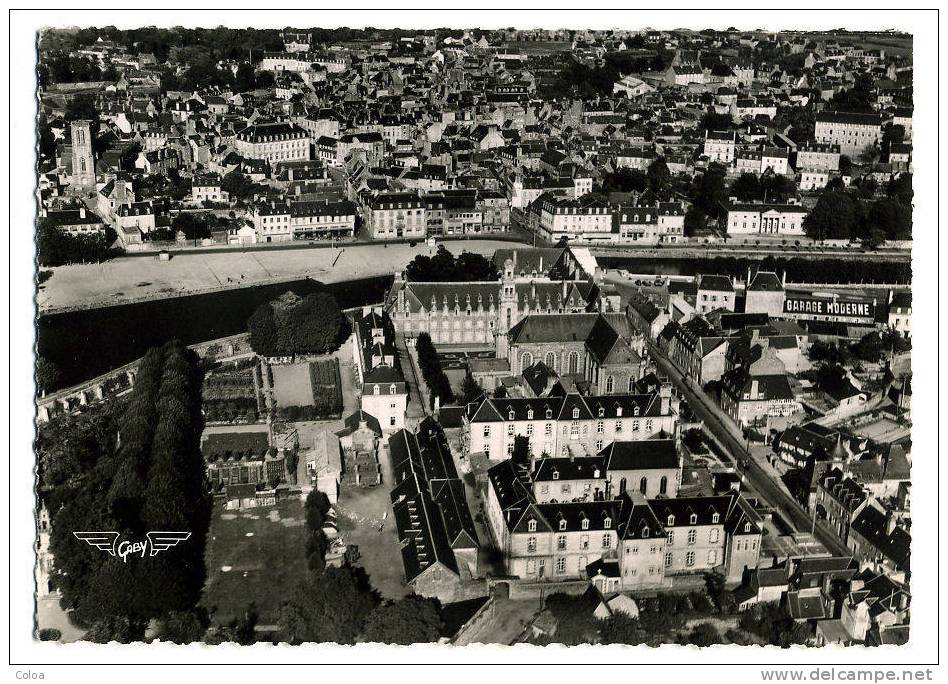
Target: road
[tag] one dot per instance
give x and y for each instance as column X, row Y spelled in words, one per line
column 732, row 441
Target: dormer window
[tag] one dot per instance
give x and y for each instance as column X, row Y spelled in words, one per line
column 671, row 520
column 529, row 414
column 715, row 518
column 375, row 389
column 531, row 525
column 585, row 523
column 694, row 519
column 747, row 527
column 645, row 531
column 607, row 523
column 618, row 411
column 510, row 414
column 562, row 524
column 549, row 413
column 575, row 413
column 602, row 411
column 556, row 475
column 635, row 410
column 392, row 389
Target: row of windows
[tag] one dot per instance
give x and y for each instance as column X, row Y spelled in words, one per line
column 562, row 541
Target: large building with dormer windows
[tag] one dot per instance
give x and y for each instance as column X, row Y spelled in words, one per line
column 620, row 542
column 571, row 425
column 482, row 312
column 396, row 215
column 273, row 142
column 384, row 392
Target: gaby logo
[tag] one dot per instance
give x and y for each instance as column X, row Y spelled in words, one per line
column 153, row 544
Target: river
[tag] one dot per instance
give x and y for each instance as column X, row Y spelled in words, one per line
column 87, row 343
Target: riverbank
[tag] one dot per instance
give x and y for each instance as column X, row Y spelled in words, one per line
column 129, row 280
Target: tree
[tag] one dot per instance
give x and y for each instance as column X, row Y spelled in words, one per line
column 845, row 165
column 411, row 620
column 183, row 627
column 194, row 227
column 445, row 267
column 152, row 480
column 831, row 378
column 900, row 188
column 328, row 606
column 625, row 179
column 709, row 191
column 521, row 450
column 48, row 375
column 471, row 390
column 620, row 628
column 893, row 134
column 82, row 107
column 658, row 174
column 869, row 155
column 746, row 187
column 238, row 185
column 891, row 218
column 712, row 121
column 833, row 217
column 695, row 221
column 870, row 347
column 55, row 247
column 263, row 332
column 241, row 629
column 703, row 634
column 290, row 325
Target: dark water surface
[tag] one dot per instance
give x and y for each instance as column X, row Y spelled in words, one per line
column 84, row 344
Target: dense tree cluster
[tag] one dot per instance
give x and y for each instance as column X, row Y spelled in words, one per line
column 439, row 387
column 329, row 605
column 445, row 267
column 575, row 79
column 859, row 98
column 316, row 507
column 291, row 326
column 772, row 623
column 411, row 620
column 749, row 187
column 132, row 472
column 55, row 247
column 842, row 214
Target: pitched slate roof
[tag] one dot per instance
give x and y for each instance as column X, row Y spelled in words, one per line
column 643, row 454
column 895, row 546
column 585, row 468
column 703, row 507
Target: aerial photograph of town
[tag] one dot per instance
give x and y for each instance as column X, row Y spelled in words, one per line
column 468, row 336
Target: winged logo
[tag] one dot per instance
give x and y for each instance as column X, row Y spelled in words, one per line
column 164, row 540
column 154, row 543
column 104, row 541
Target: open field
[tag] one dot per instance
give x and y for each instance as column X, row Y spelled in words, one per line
column 255, row 555
column 128, row 279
